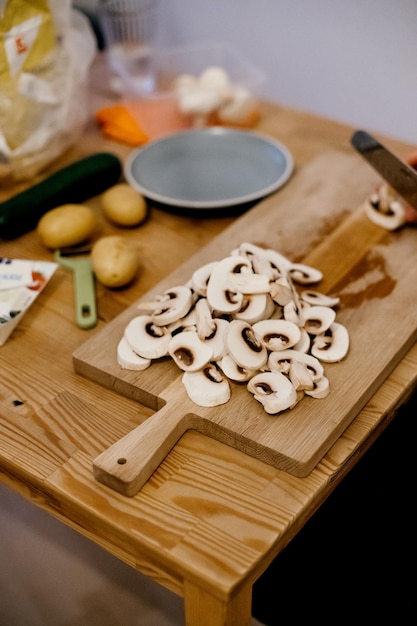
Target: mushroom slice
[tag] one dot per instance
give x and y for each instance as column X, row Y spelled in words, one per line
column 255, row 307
column 248, row 283
column 320, row 390
column 277, row 313
column 281, row 291
column 277, row 334
column 317, row 319
column 304, row 274
column 390, row 219
column 300, row 376
column 248, row 249
column 219, row 295
column 200, row 278
column 259, row 260
column 211, row 330
column 174, row 304
column 333, row 345
column 316, row 298
column 293, row 313
column 207, row 387
column 278, row 261
column 189, row 352
column 273, row 390
column 147, row 339
column 233, row 371
column 283, row 360
column 244, row 346
column 188, row 322
column 205, row 322
column 128, row 359
column 217, row 340
column 303, row 345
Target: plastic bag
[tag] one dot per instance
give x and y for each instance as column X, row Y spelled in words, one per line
column 46, row 50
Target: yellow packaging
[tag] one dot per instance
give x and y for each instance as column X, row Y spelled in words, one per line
column 46, row 49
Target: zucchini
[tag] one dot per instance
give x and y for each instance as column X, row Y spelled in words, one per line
column 73, row 184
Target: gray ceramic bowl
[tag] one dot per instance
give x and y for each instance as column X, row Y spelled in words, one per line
column 209, row 168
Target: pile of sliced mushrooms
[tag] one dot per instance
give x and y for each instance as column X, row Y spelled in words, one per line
column 242, row 320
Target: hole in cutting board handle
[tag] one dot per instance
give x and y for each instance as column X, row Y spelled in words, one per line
column 127, row 464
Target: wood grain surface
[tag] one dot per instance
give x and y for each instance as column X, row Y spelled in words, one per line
column 210, row 519
column 370, row 269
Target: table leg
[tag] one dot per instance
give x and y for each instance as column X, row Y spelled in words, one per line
column 205, row 609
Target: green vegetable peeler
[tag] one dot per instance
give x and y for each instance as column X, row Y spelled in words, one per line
column 85, row 299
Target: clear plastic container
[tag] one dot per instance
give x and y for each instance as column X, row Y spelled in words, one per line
column 159, row 113
column 169, row 63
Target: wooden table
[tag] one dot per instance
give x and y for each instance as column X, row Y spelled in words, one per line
column 210, row 519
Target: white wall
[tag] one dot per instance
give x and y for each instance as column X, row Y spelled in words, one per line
column 350, row 60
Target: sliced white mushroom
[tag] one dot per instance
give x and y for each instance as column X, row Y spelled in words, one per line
column 146, row 307
column 277, row 313
column 173, row 304
column 274, row 391
column 259, row 260
column 277, row 334
column 282, row 361
column 255, row 307
column 217, row 340
column 204, row 319
column 248, row 283
column 321, row 388
column 244, row 346
column 390, row 219
column 147, row 339
column 128, row 359
column 207, row 387
column 317, row 319
column 188, row 322
column 246, row 248
column 300, row 376
column 200, row 278
column 293, row 313
column 303, row 345
column 333, row 345
column 220, row 297
column 316, row 298
column 383, row 196
column 233, row 371
column 189, row 352
column 281, row 291
column 304, row 274
column 278, row 261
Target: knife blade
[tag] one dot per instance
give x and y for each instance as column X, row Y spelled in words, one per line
column 400, row 176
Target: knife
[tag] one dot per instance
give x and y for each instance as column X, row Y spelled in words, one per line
column 400, row 176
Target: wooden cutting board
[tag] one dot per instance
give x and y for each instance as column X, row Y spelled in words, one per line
column 318, row 218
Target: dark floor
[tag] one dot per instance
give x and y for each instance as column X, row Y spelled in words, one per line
column 355, row 560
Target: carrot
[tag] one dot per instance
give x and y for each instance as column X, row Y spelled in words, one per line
column 119, row 124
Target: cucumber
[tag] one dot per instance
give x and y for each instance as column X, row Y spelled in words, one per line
column 73, row 184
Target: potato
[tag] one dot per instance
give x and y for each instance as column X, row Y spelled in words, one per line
column 114, row 261
column 123, row 205
column 67, row 225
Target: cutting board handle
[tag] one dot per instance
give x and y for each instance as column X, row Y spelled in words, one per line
column 129, row 462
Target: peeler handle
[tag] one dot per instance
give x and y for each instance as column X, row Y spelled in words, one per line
column 85, row 300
